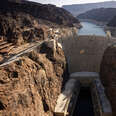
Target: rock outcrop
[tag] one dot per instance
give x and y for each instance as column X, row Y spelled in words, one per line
column 31, row 85
column 108, row 75
column 49, row 13
column 29, row 21
column 19, row 28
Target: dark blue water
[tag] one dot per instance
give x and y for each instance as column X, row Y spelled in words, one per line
column 91, row 29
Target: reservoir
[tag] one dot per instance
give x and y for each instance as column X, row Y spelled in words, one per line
column 91, row 29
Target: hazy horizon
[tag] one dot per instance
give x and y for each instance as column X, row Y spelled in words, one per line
column 68, row 2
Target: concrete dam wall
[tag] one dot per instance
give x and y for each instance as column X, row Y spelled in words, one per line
column 84, row 53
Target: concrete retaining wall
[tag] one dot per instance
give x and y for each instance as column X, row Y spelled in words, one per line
column 102, row 106
column 67, row 99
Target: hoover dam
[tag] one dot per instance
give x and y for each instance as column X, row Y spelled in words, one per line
column 51, row 64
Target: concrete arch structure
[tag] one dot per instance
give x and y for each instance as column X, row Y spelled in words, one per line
column 84, row 53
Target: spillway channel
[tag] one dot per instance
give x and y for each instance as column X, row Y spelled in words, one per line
column 84, row 105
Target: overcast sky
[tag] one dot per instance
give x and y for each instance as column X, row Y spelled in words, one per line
column 64, row 2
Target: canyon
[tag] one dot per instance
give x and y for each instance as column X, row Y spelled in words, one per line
column 46, row 67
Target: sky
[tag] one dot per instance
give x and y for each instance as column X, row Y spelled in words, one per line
column 67, row 2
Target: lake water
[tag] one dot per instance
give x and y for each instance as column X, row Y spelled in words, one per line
column 91, row 29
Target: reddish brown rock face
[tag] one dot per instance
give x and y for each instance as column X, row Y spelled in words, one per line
column 30, row 86
column 19, row 28
column 108, row 75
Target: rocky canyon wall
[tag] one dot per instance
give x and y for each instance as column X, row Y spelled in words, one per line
column 31, row 85
column 108, row 75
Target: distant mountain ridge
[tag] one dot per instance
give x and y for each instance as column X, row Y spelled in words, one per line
column 81, row 8
column 100, row 15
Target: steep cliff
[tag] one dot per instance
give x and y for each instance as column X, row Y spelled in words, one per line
column 108, row 75
column 31, row 85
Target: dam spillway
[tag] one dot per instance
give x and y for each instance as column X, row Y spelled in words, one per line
column 84, row 105
column 83, row 97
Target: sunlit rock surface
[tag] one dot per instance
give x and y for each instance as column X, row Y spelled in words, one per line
column 30, row 86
